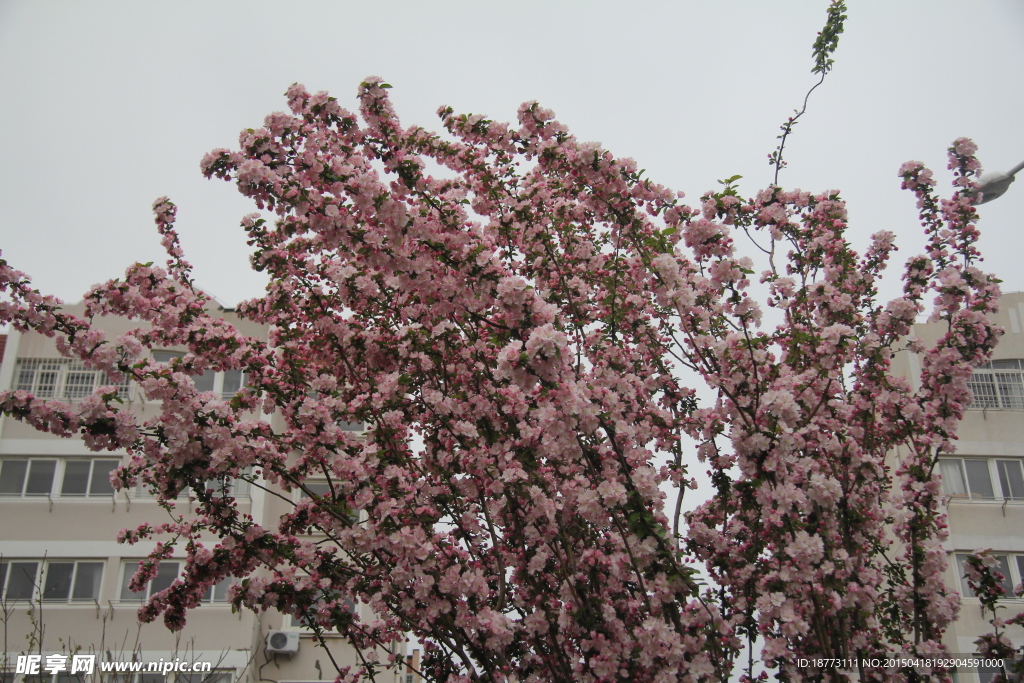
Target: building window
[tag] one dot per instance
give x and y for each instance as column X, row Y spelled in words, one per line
column 88, row 477
column 208, row 677
column 18, row 580
column 239, row 487
column 166, row 574
column 987, row 673
column 60, row 677
column 59, row 581
column 63, row 378
column 318, row 488
column 72, row 581
column 983, row 479
column 46, row 477
column 27, row 477
column 1003, row 566
column 218, row 593
column 998, row 384
column 140, row 677
column 225, row 384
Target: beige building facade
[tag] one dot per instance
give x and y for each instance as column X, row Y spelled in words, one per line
column 64, row 578
column 983, row 484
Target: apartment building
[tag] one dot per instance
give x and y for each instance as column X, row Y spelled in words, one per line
column 983, row 484
column 64, row 578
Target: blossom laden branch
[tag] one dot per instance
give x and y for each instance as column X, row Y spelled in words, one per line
column 512, row 335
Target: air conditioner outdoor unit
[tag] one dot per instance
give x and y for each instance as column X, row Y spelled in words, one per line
column 283, row 642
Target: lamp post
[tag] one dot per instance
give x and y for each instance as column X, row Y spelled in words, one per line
column 993, row 185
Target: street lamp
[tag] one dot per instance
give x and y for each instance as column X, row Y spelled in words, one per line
column 993, row 185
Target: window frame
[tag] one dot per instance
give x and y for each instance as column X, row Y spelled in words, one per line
column 89, row 493
column 179, row 677
column 44, row 677
column 997, row 385
column 1013, row 578
column 57, row 478
column 237, row 487
column 996, row 481
column 65, row 379
column 26, row 477
column 7, row 574
column 213, row 676
column 132, row 566
column 41, row 575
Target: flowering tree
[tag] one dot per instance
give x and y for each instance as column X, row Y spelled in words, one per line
column 988, row 585
column 521, row 335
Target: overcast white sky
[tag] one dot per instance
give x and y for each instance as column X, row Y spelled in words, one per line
column 108, row 105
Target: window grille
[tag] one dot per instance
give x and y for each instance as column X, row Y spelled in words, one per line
column 998, row 384
column 63, row 378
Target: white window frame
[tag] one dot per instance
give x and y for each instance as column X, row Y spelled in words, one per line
column 157, row 677
column 996, row 481
column 63, row 470
column 39, row 578
column 239, row 488
column 61, row 677
column 998, row 385
column 63, row 378
column 1015, row 562
column 57, row 481
column 132, row 566
column 29, row 464
column 214, row 676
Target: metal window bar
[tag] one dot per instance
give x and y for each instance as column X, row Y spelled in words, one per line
column 983, row 387
column 1011, row 389
column 63, row 378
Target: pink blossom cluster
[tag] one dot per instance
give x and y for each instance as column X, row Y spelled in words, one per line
column 514, row 335
column 987, row 585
